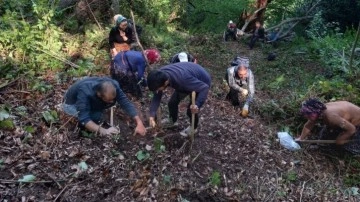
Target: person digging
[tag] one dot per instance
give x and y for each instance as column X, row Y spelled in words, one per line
column 341, row 120
column 88, row 98
column 184, row 77
column 240, row 79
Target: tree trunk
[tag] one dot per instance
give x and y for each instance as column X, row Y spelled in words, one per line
column 247, row 20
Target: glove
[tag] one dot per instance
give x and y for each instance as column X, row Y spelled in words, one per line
column 109, row 131
column 244, row 92
column 152, row 122
column 245, row 110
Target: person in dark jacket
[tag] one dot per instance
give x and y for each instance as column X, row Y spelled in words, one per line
column 121, row 36
column 184, row 77
column 128, row 68
column 259, row 33
column 231, row 31
column 88, row 98
column 182, row 57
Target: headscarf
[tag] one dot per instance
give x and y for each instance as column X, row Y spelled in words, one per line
column 120, row 19
column 312, row 105
column 153, row 55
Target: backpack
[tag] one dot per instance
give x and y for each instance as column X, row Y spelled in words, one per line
column 238, row 60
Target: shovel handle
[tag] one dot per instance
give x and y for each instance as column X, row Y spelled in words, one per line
column 193, row 95
column 317, row 141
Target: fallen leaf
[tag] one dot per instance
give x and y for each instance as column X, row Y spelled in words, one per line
column 27, row 178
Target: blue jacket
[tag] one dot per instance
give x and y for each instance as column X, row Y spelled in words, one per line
column 82, row 94
column 132, row 61
column 185, row 77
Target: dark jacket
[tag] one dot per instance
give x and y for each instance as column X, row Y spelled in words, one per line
column 114, row 36
column 185, row 77
column 82, row 94
column 133, row 61
column 260, row 33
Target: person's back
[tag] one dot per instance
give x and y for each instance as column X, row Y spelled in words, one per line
column 345, row 110
column 180, row 72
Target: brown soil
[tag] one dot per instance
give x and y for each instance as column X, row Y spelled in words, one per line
column 251, row 164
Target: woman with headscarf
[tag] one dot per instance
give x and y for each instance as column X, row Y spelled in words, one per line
column 121, row 36
column 341, row 116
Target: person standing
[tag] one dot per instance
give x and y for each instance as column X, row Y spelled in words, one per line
column 259, row 33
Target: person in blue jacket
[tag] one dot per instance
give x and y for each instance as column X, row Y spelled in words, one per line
column 184, row 77
column 88, row 98
column 128, row 68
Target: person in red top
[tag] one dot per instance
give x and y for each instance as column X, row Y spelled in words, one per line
column 231, row 31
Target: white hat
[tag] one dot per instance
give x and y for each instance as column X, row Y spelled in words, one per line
column 230, row 21
column 183, row 57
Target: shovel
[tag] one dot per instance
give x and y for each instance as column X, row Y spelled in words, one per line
column 289, row 143
column 192, row 133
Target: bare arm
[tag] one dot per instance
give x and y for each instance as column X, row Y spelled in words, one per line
column 93, row 127
column 309, row 125
column 348, row 129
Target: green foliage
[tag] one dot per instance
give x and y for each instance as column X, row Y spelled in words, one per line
column 212, row 16
column 142, row 155
column 167, row 179
column 290, row 176
column 50, row 116
column 159, row 145
column 352, row 176
column 215, row 178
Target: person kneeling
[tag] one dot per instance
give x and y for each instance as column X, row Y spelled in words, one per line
column 88, row 98
column 240, row 79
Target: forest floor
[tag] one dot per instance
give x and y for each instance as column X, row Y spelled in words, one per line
column 231, row 159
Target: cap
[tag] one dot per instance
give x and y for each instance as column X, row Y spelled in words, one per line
column 183, row 57
column 230, row 21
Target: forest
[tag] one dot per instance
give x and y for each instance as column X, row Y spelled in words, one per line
column 47, row 45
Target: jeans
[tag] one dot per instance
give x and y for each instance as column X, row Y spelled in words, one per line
column 173, row 105
column 95, row 116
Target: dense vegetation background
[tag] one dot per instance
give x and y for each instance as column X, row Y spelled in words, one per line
column 57, row 40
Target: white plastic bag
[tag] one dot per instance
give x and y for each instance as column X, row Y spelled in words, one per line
column 287, row 141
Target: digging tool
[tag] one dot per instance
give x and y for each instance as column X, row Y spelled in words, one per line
column 192, row 133
column 112, row 116
column 288, row 141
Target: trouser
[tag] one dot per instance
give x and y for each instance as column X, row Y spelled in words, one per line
column 173, row 105
column 127, row 81
column 230, row 33
column 253, row 41
column 353, row 146
column 71, row 110
column 233, row 95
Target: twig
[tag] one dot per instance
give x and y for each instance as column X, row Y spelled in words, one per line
column 3, row 181
column 98, row 24
column 302, row 190
column 54, row 180
column 354, row 45
column 196, row 157
column 57, row 57
column 138, row 40
column 60, row 193
column 9, row 83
